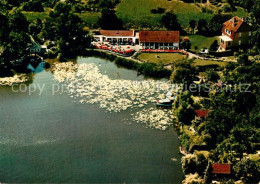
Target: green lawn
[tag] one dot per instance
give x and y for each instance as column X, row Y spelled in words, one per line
column 164, row 58
column 167, row 58
column 201, row 41
column 200, row 62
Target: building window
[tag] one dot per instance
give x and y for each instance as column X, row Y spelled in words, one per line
column 240, row 34
column 250, row 33
column 239, row 42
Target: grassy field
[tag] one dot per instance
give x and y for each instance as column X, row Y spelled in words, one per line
column 201, row 41
column 90, row 18
column 164, row 58
column 137, row 13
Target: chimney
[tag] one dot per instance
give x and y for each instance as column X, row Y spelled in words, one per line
column 235, row 22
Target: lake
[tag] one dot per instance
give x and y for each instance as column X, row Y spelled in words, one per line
column 51, row 137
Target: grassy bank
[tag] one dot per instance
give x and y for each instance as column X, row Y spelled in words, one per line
column 201, row 62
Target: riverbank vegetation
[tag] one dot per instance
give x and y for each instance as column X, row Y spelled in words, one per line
column 149, row 69
column 231, row 130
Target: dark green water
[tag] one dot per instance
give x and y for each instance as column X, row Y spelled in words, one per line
column 50, row 138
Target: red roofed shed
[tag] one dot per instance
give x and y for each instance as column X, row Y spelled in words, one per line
column 221, row 168
column 202, row 113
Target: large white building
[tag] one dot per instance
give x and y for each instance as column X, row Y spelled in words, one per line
column 147, row 40
column 120, row 37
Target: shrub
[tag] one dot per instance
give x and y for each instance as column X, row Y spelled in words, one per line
column 158, row 11
column 193, row 179
column 214, row 46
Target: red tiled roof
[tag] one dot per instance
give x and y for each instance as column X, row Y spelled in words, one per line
column 159, row 36
column 234, row 21
column 221, row 168
column 202, row 113
column 117, row 32
column 235, row 25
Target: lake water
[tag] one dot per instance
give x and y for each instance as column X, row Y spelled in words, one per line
column 52, row 138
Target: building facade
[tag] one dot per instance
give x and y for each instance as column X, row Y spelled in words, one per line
column 120, row 37
column 236, row 33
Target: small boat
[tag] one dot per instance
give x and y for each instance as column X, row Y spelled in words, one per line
column 182, row 151
column 167, row 102
column 164, row 102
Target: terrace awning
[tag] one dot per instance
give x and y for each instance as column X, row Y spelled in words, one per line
column 226, row 38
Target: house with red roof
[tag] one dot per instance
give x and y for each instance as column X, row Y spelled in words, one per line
column 236, row 33
column 202, row 113
column 159, row 39
column 221, row 168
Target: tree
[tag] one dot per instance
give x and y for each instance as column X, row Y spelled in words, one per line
column 189, row 164
column 212, row 75
column 216, row 23
column 184, row 71
column 202, row 27
column 170, row 21
column 192, row 25
column 243, row 60
column 18, row 22
column 14, row 40
column 66, row 28
column 247, row 170
column 35, row 5
column 184, row 108
column 109, row 20
column 35, row 29
column 214, row 46
column 186, row 45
